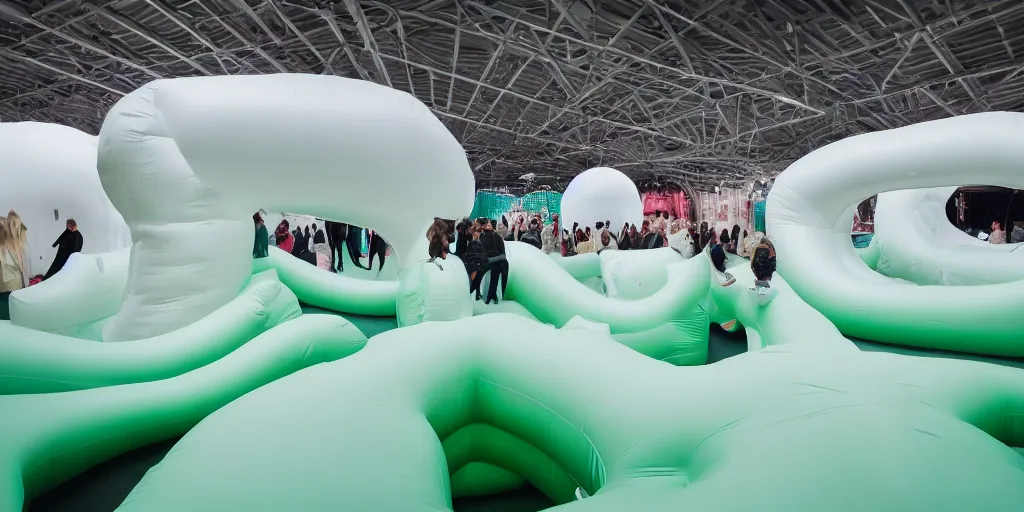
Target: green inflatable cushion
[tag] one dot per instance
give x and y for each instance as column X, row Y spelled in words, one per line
column 39, row 362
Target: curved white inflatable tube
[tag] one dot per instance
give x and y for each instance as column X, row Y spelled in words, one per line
column 810, row 210
column 580, row 266
column 554, row 297
column 601, row 194
column 327, row 290
column 49, row 167
column 88, row 289
column 919, row 244
column 187, row 161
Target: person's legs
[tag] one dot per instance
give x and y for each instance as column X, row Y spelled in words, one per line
column 352, row 243
column 329, row 232
column 498, row 269
column 504, row 277
column 380, row 248
column 475, row 281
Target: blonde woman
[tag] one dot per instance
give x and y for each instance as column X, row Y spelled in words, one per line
column 19, row 233
column 12, row 277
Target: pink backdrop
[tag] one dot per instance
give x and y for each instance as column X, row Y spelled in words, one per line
column 675, row 203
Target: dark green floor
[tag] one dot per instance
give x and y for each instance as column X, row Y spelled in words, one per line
column 104, row 487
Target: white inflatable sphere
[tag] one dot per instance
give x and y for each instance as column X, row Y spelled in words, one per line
column 601, row 194
column 46, row 167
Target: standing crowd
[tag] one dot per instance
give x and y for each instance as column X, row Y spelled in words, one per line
column 321, row 247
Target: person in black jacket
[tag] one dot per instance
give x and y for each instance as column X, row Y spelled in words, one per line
column 497, row 263
column 463, row 231
column 318, row 236
column 68, row 243
column 474, row 258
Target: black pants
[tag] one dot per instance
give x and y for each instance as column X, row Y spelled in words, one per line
column 498, row 266
column 378, row 247
column 353, row 239
column 474, row 284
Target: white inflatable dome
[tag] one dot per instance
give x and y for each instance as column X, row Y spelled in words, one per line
column 601, row 194
column 48, row 175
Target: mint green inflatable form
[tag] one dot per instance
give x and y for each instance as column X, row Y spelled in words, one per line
column 38, row 362
column 48, row 438
column 669, row 325
column 810, row 209
column 794, row 426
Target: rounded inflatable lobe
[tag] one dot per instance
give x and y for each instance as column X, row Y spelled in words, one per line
column 633, row 275
column 89, row 289
column 601, row 194
column 48, row 175
column 434, row 291
column 187, row 161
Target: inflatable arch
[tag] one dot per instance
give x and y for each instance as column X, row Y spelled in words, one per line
column 48, row 172
column 559, row 407
column 918, row 243
column 187, row 161
column 810, row 210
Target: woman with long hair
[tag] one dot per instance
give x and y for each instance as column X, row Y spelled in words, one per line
column 735, row 239
column 437, row 236
column 19, row 234
column 12, row 267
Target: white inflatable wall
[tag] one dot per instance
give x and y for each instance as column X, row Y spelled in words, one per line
column 601, row 194
column 188, row 161
column 46, row 167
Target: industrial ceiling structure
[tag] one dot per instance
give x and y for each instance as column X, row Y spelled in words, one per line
column 690, row 92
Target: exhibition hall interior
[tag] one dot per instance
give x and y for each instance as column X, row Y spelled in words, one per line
column 511, row 255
